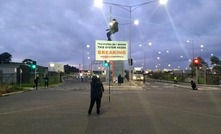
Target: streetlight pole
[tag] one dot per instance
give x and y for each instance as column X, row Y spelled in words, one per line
column 192, row 42
column 130, row 57
column 123, row 24
column 193, row 47
column 85, row 52
column 130, row 9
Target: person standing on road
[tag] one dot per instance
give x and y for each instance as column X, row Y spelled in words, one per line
column 36, row 82
column 46, row 80
column 96, row 94
column 175, row 79
column 119, row 79
column 101, row 86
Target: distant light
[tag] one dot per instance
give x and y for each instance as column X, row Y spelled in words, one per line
column 163, row 2
column 51, row 64
column 167, row 51
column 98, row 3
column 136, row 22
column 159, row 52
column 181, row 56
column 158, row 58
column 150, row 43
column 140, row 45
column 189, row 41
column 201, row 46
column 211, row 54
column 81, row 74
column 88, row 46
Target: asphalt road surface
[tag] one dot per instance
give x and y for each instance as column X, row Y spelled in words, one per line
column 150, row 108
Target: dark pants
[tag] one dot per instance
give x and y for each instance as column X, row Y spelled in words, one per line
column 46, row 84
column 35, row 85
column 108, row 36
column 98, row 104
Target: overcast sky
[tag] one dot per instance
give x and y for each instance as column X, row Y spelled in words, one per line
column 59, row 30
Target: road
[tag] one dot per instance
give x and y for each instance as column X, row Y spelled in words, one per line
column 150, row 108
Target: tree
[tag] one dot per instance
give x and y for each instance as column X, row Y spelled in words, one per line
column 27, row 61
column 5, row 57
column 201, row 63
column 215, row 60
column 70, row 69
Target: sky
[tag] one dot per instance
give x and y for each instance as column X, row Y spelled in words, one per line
column 60, row 30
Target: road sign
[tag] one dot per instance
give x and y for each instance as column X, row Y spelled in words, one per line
column 111, row 50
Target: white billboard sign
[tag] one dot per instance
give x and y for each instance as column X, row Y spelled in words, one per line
column 111, row 50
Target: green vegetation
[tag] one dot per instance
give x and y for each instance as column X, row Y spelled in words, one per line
column 10, row 88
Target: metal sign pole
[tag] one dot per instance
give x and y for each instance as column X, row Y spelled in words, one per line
column 109, row 81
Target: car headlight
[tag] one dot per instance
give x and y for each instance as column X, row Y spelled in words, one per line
column 141, row 77
column 134, row 77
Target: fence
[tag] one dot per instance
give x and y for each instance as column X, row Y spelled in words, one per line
column 203, row 78
column 8, row 78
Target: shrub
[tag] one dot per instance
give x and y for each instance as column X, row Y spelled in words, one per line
column 9, row 88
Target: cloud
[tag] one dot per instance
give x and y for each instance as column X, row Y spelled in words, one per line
column 59, row 30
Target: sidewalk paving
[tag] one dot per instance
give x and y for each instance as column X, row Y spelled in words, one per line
column 200, row 86
column 124, row 86
column 129, row 86
column 187, row 85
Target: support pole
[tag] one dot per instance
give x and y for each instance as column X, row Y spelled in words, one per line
column 109, row 81
column 196, row 75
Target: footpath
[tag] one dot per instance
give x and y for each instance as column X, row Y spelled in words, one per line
column 187, row 85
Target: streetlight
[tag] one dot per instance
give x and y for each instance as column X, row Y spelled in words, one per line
column 84, row 52
column 201, row 46
column 130, row 9
column 136, row 22
column 144, row 60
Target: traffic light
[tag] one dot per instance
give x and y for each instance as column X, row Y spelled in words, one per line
column 130, row 62
column 106, row 63
column 196, row 62
column 33, row 65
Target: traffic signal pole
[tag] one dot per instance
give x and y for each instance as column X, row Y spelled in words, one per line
column 35, row 73
column 109, row 80
column 196, row 75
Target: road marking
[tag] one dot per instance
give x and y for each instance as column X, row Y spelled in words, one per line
column 185, row 111
column 36, row 108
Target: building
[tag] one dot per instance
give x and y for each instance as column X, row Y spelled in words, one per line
column 15, row 73
column 9, row 73
column 55, row 67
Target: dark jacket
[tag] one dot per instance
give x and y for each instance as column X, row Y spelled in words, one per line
column 193, row 85
column 96, row 89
